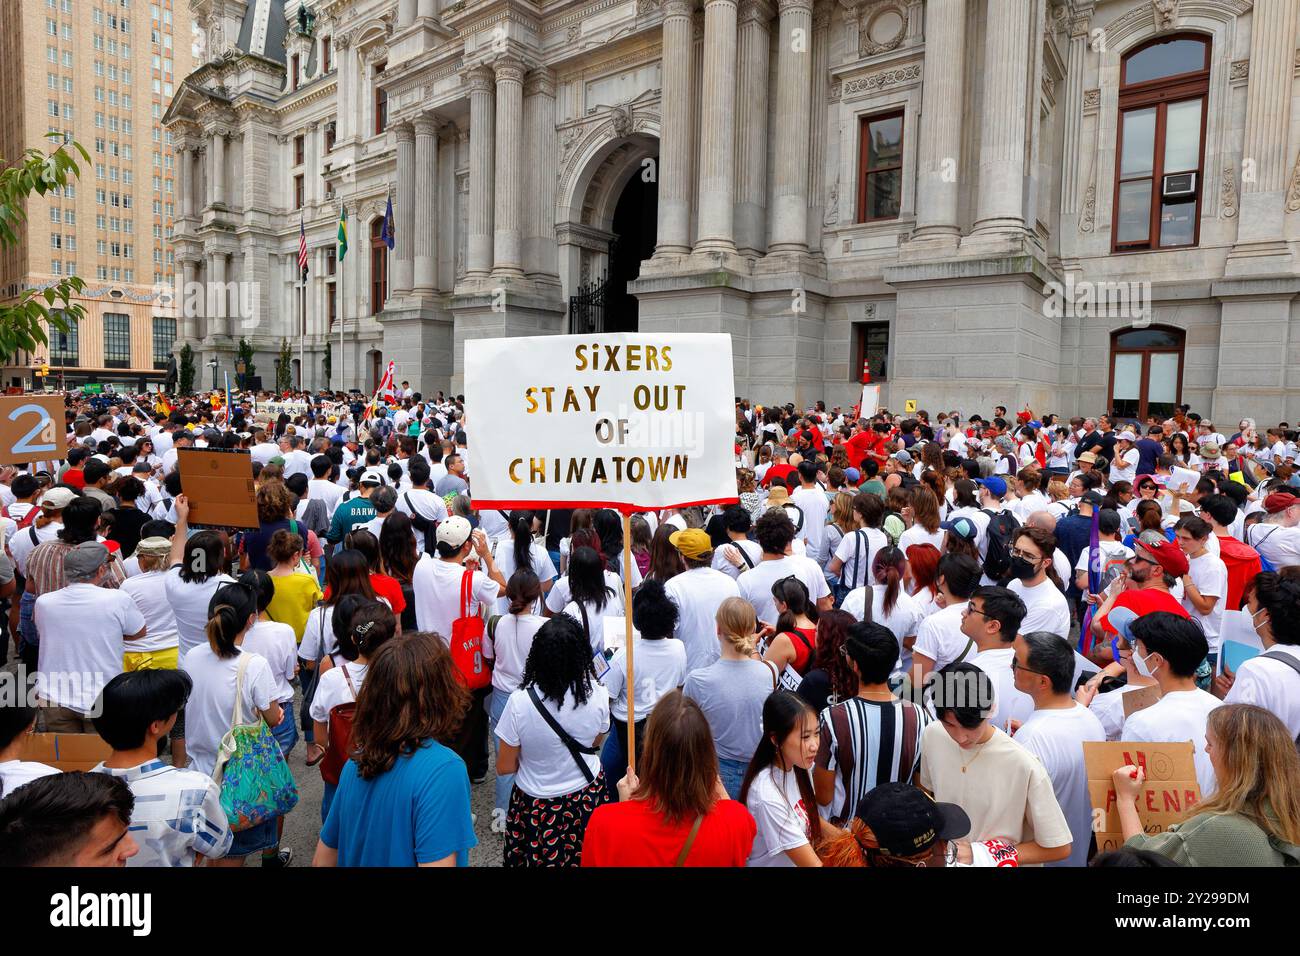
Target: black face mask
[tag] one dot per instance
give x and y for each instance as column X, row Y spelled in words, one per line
column 1022, row 569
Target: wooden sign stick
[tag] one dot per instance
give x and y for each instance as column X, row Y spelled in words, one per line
column 627, row 620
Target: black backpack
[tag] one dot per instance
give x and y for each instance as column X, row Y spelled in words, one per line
column 997, row 559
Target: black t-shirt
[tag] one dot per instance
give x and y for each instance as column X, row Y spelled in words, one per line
column 127, row 523
column 1148, row 451
column 1107, row 443
column 254, row 543
column 816, row 689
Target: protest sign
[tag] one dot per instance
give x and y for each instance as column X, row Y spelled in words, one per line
column 219, row 487
column 32, row 429
column 870, row 401
column 1167, row 795
column 1182, row 480
column 629, row 421
column 1239, row 641
column 1139, row 698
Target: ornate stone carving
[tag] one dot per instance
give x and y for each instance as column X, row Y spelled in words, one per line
column 882, row 80
column 879, row 33
column 832, row 205
column 1087, row 215
column 575, row 31
column 568, row 139
column 1091, row 99
column 1240, row 70
column 834, row 95
column 1060, row 18
column 621, row 118
column 646, row 7
column 1166, row 14
column 868, row 310
column 1293, row 191
column 1079, row 27
column 1228, row 193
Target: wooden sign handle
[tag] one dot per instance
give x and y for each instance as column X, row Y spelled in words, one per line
column 627, row 619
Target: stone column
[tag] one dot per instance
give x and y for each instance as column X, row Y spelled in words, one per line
column 941, row 120
column 793, row 82
column 482, row 151
column 186, row 185
column 1268, row 111
column 426, row 203
column 539, row 179
column 1076, row 65
column 405, row 13
column 426, row 9
column 675, row 135
column 751, row 130
column 508, row 253
column 717, row 187
column 404, row 210
column 818, row 108
column 189, row 321
column 1003, row 120
column 219, row 319
column 219, row 168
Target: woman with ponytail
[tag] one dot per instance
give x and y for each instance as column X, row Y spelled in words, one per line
column 731, row 691
column 278, row 645
column 214, row 669
column 891, row 605
column 792, row 648
column 370, row 625
column 778, row 790
column 507, row 642
column 523, row 550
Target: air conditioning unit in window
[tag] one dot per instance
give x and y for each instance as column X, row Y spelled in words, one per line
column 1178, row 186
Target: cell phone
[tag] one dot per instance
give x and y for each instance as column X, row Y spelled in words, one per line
column 601, row 663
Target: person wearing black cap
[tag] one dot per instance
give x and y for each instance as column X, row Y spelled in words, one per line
column 898, row 825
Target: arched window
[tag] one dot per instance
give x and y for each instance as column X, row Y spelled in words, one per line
column 378, row 267
column 1146, row 372
column 1161, row 144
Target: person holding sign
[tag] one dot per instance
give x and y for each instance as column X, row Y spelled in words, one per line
column 1253, row 819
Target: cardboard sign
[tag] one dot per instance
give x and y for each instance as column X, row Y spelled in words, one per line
column 1140, row 698
column 219, row 487
column 629, row 421
column 32, row 429
column 870, row 401
column 65, row 752
column 1168, row 794
column 909, row 406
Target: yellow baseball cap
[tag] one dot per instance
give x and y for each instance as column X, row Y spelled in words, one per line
column 692, row 543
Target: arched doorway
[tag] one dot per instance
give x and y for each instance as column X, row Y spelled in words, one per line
column 1146, row 372
column 606, row 221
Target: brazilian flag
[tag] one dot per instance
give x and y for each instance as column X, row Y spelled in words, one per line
column 343, row 233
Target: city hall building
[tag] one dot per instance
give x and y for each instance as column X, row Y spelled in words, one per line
column 1074, row 206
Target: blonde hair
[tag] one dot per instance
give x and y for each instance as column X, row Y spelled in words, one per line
column 842, row 512
column 744, row 480
column 1261, row 778
column 736, row 624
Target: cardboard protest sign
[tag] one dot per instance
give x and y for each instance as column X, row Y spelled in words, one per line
column 1167, row 795
column 623, row 421
column 1140, row 698
column 219, row 487
column 32, row 429
column 65, row 752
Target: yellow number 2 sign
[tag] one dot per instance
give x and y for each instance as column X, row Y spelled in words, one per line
column 32, row 429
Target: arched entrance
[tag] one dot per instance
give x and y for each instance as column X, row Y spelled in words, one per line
column 1146, row 372
column 606, row 220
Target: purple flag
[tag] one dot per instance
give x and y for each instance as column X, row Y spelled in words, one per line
column 1094, row 577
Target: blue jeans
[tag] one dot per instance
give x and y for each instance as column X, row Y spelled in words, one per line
column 496, row 707
column 327, row 798
column 307, row 681
column 27, row 620
column 286, row 732
column 613, row 756
column 733, row 774
column 261, row 837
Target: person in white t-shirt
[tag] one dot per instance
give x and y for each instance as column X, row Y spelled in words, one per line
column 426, row 509
column 775, row 532
column 698, row 592
column 857, row 550
column 1124, row 467
column 660, row 668
column 82, row 627
column 548, row 735
column 992, row 619
column 278, row 645
column 1109, row 706
column 740, row 554
column 1170, row 648
column 522, row 549
column 1205, row 585
column 158, row 649
column 1270, row 680
column 778, row 789
column 1057, row 729
column 939, row 638
column 1004, row 789
column 16, row 722
column 891, row 605
column 812, row 500
column 1034, row 581
column 371, row 626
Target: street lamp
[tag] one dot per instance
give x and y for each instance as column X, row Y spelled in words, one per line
column 213, row 365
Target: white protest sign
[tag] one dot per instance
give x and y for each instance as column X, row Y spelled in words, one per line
column 629, row 420
column 870, row 401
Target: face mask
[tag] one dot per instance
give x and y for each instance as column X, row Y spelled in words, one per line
column 1141, row 664
column 1022, row 569
column 1252, row 620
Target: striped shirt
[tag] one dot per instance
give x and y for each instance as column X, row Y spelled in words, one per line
column 45, row 567
column 177, row 814
column 868, row 742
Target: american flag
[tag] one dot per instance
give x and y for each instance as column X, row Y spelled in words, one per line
column 302, row 248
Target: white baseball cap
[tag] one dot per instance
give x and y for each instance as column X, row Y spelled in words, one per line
column 371, row 477
column 455, row 531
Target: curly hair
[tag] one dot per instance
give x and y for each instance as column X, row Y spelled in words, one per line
column 832, row 631
column 274, row 503
column 559, row 661
column 412, row 694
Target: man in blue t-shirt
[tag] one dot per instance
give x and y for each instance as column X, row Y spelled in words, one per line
column 415, row 814
column 1149, row 449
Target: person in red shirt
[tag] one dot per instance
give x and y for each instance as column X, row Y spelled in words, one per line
column 675, row 811
column 1145, row 582
column 779, row 468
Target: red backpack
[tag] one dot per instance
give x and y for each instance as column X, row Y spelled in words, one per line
column 467, row 640
column 340, row 738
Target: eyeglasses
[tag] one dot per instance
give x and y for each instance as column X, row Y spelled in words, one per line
column 968, row 610
column 1027, row 555
column 1017, row 666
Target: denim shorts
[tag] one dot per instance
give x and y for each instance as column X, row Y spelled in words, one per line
column 255, row 839
column 286, row 733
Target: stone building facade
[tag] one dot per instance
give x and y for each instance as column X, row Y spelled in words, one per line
column 1066, row 204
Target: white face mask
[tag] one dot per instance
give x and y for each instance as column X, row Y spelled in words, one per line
column 1141, row 664
column 1253, row 622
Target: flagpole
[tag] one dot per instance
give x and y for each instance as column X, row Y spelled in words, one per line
column 302, row 328
column 343, row 306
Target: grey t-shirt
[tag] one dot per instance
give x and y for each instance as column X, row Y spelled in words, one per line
column 731, row 694
column 450, row 484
